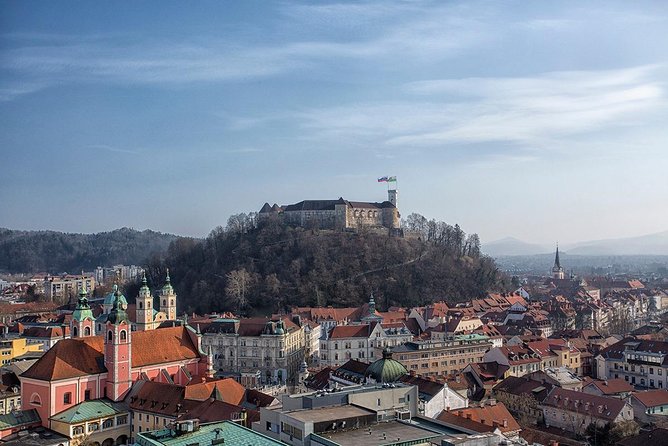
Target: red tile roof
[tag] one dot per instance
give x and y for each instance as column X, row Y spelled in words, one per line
column 652, row 398
column 231, row 390
column 350, row 331
column 611, row 386
column 495, row 415
column 601, row 407
column 70, row 358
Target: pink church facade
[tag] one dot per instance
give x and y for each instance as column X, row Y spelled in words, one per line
column 57, row 385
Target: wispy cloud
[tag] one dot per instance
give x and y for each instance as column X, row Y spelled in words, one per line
column 107, row 148
column 12, row 90
column 425, row 35
column 245, row 150
column 526, row 111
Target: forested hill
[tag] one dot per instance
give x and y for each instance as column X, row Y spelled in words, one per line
column 55, row 252
column 248, row 268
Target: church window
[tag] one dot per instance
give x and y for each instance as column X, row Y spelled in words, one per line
column 87, row 331
column 164, row 302
column 141, row 306
column 369, row 214
column 124, row 335
column 148, row 304
column 109, row 335
column 75, row 332
column 35, row 400
column 67, row 398
column 171, row 302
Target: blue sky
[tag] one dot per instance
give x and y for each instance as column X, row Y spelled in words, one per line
column 540, row 120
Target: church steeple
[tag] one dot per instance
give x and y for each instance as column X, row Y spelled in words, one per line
column 117, row 350
column 557, row 270
column 144, row 308
column 82, row 323
column 168, row 299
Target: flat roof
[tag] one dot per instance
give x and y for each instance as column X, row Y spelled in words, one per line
column 380, row 434
column 330, row 413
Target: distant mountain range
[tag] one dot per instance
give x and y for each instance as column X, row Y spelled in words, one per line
column 651, row 244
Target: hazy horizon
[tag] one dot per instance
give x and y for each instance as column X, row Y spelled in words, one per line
column 543, row 121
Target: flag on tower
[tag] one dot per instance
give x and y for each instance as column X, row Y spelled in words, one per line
column 391, row 179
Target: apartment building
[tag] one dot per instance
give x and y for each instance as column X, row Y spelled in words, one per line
column 363, row 342
column 59, row 288
column 257, row 351
column 642, row 363
column 437, row 358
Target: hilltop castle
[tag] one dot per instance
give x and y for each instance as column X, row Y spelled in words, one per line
column 337, row 214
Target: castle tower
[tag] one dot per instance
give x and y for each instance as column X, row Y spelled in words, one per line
column 144, row 307
column 117, row 350
column 83, row 322
column 557, row 270
column 168, row 299
column 392, row 196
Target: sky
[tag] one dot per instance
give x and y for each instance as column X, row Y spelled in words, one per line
column 545, row 121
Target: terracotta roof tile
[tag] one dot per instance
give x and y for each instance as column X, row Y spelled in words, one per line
column 70, row 358
column 600, row 407
column 350, row 331
column 490, row 415
column 652, row 398
column 611, row 386
column 231, row 390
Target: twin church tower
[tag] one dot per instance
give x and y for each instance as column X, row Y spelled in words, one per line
column 146, row 316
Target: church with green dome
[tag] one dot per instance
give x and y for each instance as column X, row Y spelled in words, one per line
column 386, row 370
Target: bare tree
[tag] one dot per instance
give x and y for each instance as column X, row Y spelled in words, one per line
column 239, row 284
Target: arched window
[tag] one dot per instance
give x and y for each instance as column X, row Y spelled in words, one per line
column 171, row 302
column 86, row 331
column 109, row 335
column 99, row 328
column 148, row 304
column 75, row 331
column 355, row 213
column 164, row 302
column 141, row 306
column 124, row 335
column 369, row 214
column 108, row 423
column 35, row 399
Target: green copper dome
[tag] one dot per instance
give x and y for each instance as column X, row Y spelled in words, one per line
column 110, row 298
column 386, row 370
column 144, row 283
column 117, row 313
column 83, row 310
column 167, row 288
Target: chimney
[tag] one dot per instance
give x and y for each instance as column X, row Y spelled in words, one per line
column 460, row 413
column 505, row 422
column 468, row 416
column 492, row 402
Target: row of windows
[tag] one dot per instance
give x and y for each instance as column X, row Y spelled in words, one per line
column 95, row 426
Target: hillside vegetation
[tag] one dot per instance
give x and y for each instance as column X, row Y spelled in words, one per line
column 56, row 252
column 247, row 267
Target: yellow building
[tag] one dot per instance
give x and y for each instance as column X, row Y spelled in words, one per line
column 13, row 348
